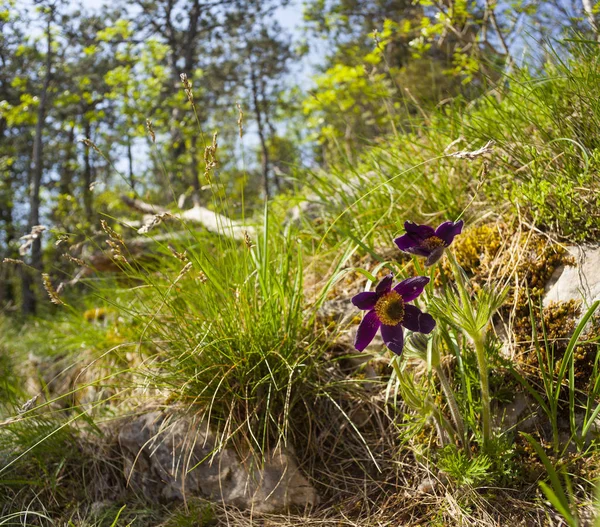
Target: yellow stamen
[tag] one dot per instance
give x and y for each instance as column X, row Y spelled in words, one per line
column 390, row 309
column 433, row 243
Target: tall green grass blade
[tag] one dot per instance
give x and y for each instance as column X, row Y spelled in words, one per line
column 556, row 494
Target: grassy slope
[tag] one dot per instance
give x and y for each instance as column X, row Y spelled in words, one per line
column 238, row 334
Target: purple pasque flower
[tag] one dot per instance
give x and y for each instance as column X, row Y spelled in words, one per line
column 389, row 310
column 422, row 240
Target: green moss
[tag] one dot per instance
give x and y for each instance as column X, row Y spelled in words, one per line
column 476, row 249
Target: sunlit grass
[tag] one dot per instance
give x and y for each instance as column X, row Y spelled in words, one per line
column 232, row 330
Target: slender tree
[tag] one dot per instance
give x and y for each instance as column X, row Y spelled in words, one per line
column 37, row 165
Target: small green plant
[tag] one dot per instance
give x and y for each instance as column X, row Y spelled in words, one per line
column 461, row 468
column 556, row 375
column 456, row 308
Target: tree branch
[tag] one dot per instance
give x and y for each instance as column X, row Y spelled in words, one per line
column 210, row 220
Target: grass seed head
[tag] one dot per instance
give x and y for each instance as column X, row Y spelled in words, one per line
column 248, row 240
column 180, row 256
column 210, row 156
column 115, row 249
column 150, row 129
column 52, row 294
column 240, row 121
column 183, row 272
column 187, row 86
column 62, row 239
column 74, row 260
column 114, row 235
column 90, row 144
column 13, row 261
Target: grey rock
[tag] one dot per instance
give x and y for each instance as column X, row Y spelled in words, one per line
column 521, row 414
column 169, row 457
column 340, row 311
column 579, row 282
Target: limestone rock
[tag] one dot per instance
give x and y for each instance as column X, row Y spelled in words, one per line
column 581, row 282
column 521, row 414
column 168, row 457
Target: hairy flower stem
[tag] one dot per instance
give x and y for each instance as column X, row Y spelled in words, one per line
column 443, row 427
column 479, row 343
column 478, row 338
column 459, row 279
column 396, row 366
column 454, row 411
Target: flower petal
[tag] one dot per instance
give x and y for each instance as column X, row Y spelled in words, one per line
column 411, row 247
column 435, row 255
column 385, row 285
column 406, row 241
column 415, row 234
column 365, row 300
column 448, row 230
column 421, row 231
column 411, row 288
column 416, row 320
column 366, row 330
column 393, row 337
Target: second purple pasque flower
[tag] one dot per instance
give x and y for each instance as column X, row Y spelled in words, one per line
column 423, row 240
column 388, row 310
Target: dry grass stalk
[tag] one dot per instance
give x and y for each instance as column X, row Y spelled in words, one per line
column 150, row 129
column 187, row 86
column 62, row 239
column 89, row 143
column 28, row 239
column 248, row 240
column 240, row 121
column 28, row 405
column 13, row 261
column 52, row 294
column 183, row 272
column 180, row 256
column 210, row 156
column 113, row 235
column 466, row 154
column 153, row 222
column 73, row 259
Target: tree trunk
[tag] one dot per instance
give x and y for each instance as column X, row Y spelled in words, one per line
column 35, row 179
column 7, row 293
column 66, row 175
column 177, row 140
column 261, row 132
column 130, row 162
column 87, row 176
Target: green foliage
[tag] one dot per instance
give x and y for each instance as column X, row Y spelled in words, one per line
column 230, row 326
column 10, row 381
column 546, row 127
column 462, row 469
column 229, row 322
column 559, row 495
column 555, row 375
